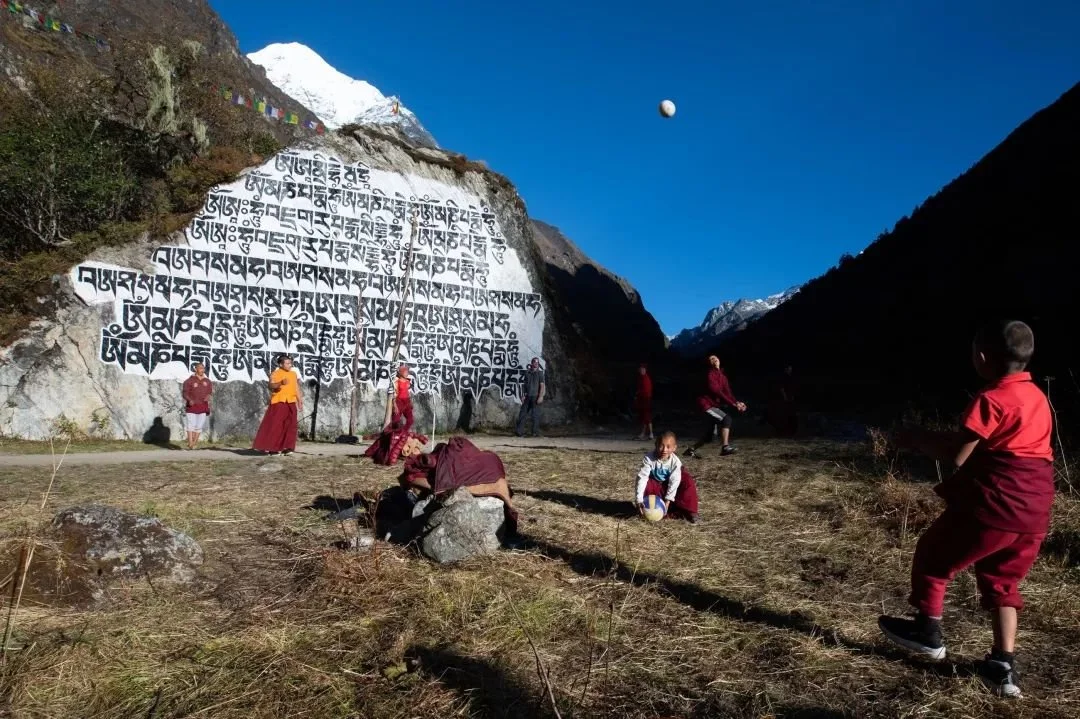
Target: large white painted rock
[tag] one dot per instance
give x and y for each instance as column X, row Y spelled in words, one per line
column 306, row 255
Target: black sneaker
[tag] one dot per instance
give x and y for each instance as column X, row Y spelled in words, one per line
column 727, row 449
column 691, row 453
column 919, row 635
column 694, row 519
column 1000, row 676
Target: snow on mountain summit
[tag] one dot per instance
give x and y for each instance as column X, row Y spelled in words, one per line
column 336, row 98
column 724, row 319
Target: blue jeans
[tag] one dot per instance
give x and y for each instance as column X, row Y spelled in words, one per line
column 528, row 406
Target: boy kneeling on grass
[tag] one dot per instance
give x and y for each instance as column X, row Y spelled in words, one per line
column 662, row 474
column 997, row 504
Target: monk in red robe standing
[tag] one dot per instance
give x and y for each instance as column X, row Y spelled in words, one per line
column 277, row 433
column 643, row 402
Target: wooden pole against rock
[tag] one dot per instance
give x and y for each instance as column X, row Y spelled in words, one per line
column 356, row 359
column 415, row 220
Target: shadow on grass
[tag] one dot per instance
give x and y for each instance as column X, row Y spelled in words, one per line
column 703, row 600
column 619, row 509
column 489, row 691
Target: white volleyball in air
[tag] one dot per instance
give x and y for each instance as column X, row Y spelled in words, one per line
column 667, row 108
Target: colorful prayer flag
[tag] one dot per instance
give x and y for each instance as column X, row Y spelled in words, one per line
column 291, row 118
column 67, row 28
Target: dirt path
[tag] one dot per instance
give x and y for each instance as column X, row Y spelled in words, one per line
column 316, row 449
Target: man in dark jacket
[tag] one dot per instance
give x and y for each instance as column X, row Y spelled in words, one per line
column 718, row 403
column 532, row 396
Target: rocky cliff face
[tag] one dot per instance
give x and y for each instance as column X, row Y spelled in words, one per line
column 307, row 255
column 609, row 328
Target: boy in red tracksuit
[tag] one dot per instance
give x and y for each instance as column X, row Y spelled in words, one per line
column 997, row 504
column 717, row 403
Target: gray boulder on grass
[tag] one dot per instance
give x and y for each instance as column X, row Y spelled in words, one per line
column 463, row 527
column 106, row 542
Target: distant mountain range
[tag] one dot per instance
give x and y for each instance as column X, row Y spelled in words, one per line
column 725, row 319
column 336, row 98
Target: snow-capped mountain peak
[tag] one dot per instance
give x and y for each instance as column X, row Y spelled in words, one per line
column 726, row 318
column 336, row 98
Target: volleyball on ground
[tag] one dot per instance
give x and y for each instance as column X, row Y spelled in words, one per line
column 654, row 508
column 667, row 108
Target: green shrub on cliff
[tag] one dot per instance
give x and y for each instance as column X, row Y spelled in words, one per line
column 63, row 173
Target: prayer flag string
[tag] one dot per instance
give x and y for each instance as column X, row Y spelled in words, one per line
column 263, row 106
column 52, row 24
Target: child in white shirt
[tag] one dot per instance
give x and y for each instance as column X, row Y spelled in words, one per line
column 662, row 474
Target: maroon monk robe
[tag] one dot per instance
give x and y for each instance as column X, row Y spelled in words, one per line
column 685, row 504
column 457, row 463
column 717, row 391
column 386, row 449
column 277, row 432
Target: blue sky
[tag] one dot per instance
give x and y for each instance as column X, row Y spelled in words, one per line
column 803, row 128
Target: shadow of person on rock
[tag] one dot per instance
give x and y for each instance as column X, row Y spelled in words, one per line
column 608, row 507
column 489, row 690
column 158, row 435
column 703, row 600
column 465, row 416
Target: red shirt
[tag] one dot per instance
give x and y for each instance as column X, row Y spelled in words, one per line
column 1012, row 415
column 717, row 392
column 1008, row 482
column 402, row 387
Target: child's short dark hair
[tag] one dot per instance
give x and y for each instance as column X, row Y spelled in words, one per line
column 666, row 435
column 1008, row 345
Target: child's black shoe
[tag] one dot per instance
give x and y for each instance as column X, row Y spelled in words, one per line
column 691, row 453
column 921, row 635
column 999, row 673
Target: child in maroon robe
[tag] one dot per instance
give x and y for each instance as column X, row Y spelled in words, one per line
column 662, row 474
column 643, row 402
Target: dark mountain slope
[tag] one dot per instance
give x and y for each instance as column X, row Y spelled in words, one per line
column 894, row 324
column 612, row 330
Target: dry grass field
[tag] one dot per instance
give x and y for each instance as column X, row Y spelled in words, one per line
column 766, row 609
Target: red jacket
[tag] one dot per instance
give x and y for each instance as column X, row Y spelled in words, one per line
column 197, row 394
column 717, row 392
